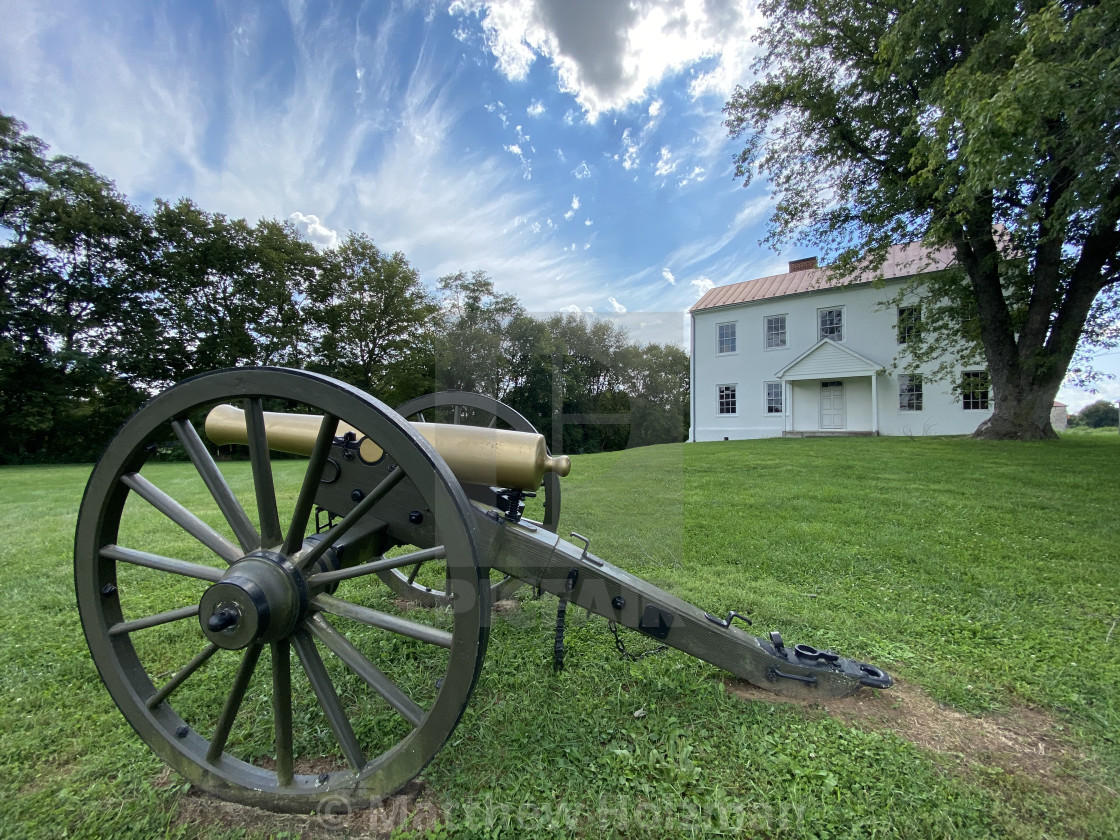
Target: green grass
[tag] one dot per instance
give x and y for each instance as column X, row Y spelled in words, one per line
column 982, row 575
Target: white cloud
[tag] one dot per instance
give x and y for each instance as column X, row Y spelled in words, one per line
column 655, row 107
column 616, row 307
column 575, row 310
column 630, row 157
column 668, row 275
column 698, row 173
column 665, row 163
column 608, row 55
column 588, row 223
column 314, row 231
column 573, row 208
column 500, row 109
column 702, row 286
column 526, row 165
column 535, row 109
column 582, row 171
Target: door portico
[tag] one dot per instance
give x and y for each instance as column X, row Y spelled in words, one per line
column 828, row 374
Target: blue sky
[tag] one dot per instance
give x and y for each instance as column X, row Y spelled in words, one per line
column 572, row 149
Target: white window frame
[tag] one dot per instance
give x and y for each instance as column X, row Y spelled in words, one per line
column 967, row 397
column 768, row 402
column 909, row 388
column 766, row 332
column 734, row 338
column 820, row 326
column 734, row 386
column 905, row 334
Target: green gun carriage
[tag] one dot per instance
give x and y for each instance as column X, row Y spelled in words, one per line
column 374, row 557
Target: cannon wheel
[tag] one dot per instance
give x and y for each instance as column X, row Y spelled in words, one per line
column 403, row 581
column 235, row 717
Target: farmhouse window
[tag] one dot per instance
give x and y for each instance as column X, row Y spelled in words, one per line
column 727, row 399
column 775, row 332
column 773, row 397
column 975, row 388
column 725, row 338
column 831, row 323
column 910, row 392
column 909, row 323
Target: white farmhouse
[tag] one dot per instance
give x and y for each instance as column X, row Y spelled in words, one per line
column 798, row 355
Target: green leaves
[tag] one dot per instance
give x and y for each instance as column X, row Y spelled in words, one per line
column 989, row 128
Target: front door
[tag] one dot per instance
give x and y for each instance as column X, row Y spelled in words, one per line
column 832, row 405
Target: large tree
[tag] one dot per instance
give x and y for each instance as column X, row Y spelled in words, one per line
column 988, row 128
column 77, row 326
column 474, row 347
column 371, row 319
column 230, row 291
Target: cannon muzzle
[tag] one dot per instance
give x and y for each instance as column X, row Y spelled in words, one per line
column 477, row 455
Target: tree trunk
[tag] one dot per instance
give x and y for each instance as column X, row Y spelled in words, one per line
column 1020, row 414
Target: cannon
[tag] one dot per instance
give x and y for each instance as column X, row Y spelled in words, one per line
column 373, row 555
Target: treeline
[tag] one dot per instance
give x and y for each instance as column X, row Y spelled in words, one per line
column 105, row 304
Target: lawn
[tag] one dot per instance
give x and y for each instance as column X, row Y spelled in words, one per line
column 983, row 576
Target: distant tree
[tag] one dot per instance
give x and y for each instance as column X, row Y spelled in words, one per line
column 474, row 348
column 945, row 122
column 371, row 319
column 1099, row 415
column 230, row 291
column 659, row 388
column 78, row 326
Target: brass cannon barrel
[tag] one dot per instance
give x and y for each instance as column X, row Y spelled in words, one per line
column 477, row 455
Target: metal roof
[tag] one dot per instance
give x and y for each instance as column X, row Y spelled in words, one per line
column 902, row 261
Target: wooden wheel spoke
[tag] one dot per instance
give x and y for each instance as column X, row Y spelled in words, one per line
column 328, row 699
column 233, row 703
column 310, row 487
column 282, row 712
column 158, row 561
column 375, row 618
column 356, row 515
column 216, row 483
column 140, row 555
column 181, row 517
column 182, row 675
column 153, row 620
column 384, row 564
column 262, row 473
column 356, row 661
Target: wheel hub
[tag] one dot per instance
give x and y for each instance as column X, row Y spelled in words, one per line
column 261, row 598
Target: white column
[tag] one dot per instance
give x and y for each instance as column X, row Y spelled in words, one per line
column 874, row 404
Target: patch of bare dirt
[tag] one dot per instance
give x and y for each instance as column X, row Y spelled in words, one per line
column 410, row 806
column 1022, row 741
